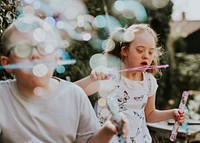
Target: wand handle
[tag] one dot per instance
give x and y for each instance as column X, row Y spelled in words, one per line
column 182, row 105
column 114, row 110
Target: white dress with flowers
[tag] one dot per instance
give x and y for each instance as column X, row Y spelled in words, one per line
column 132, row 97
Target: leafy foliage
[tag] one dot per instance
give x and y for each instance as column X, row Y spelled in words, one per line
column 7, row 15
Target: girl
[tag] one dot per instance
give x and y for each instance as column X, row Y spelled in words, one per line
column 135, row 91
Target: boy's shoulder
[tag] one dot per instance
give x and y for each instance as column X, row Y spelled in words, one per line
column 69, row 84
column 6, row 82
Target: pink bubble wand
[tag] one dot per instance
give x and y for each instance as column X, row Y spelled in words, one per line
column 182, row 105
column 143, row 68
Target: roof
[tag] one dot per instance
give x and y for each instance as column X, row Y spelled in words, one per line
column 184, row 26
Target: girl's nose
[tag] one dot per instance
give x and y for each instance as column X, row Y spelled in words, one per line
column 145, row 55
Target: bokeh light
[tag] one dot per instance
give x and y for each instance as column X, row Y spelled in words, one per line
column 130, row 9
column 108, row 22
column 39, row 35
column 97, row 60
column 40, row 70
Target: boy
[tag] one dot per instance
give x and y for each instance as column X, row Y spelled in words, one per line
column 36, row 107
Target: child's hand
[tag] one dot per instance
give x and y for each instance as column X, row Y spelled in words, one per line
column 180, row 117
column 110, row 124
column 100, row 73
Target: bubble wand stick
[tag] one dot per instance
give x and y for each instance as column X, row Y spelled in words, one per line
column 114, row 110
column 30, row 65
column 182, row 104
column 144, row 68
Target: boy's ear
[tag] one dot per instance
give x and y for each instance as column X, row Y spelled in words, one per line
column 5, row 61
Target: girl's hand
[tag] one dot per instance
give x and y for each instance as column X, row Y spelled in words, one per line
column 180, row 117
column 100, row 73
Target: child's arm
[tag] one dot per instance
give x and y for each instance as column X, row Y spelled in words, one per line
column 105, row 134
column 153, row 115
column 90, row 84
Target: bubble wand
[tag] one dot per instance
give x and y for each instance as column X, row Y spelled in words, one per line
column 144, row 68
column 182, row 104
column 29, row 65
column 114, row 110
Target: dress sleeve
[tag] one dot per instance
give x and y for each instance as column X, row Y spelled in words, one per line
column 154, row 85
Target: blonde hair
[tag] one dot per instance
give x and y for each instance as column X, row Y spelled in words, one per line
column 119, row 41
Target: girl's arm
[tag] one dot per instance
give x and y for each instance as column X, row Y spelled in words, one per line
column 153, row 115
column 90, row 84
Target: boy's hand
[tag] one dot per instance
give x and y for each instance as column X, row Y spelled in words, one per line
column 111, row 127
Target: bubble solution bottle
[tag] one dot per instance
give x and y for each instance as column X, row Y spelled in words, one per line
column 184, row 127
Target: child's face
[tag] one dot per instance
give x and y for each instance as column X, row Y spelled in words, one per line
column 141, row 50
column 23, row 48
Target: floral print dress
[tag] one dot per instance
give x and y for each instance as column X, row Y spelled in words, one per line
column 132, row 97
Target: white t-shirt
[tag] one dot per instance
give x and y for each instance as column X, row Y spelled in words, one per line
column 132, row 98
column 66, row 117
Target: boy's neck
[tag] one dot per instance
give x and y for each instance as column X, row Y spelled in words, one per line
column 39, row 91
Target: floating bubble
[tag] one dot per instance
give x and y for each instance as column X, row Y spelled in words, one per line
column 100, row 21
column 113, row 61
column 36, row 4
column 39, row 91
column 119, row 5
column 130, row 9
column 97, row 60
column 128, row 36
column 63, row 54
column 106, row 88
column 69, row 9
column 102, row 102
column 60, row 69
column 108, row 22
column 81, row 29
column 104, row 112
column 39, row 35
column 155, row 4
column 49, row 48
column 96, row 42
column 51, row 21
column 108, row 45
column 24, row 26
column 159, row 3
column 40, row 70
column 28, row 10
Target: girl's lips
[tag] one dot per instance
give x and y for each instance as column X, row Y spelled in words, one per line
column 144, row 64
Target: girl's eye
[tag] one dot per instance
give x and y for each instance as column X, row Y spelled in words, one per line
column 150, row 53
column 139, row 51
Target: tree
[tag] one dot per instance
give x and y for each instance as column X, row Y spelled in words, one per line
column 82, row 51
column 7, row 15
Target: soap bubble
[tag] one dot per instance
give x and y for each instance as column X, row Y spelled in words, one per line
column 40, row 70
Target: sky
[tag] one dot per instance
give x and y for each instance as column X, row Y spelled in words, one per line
column 190, row 7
